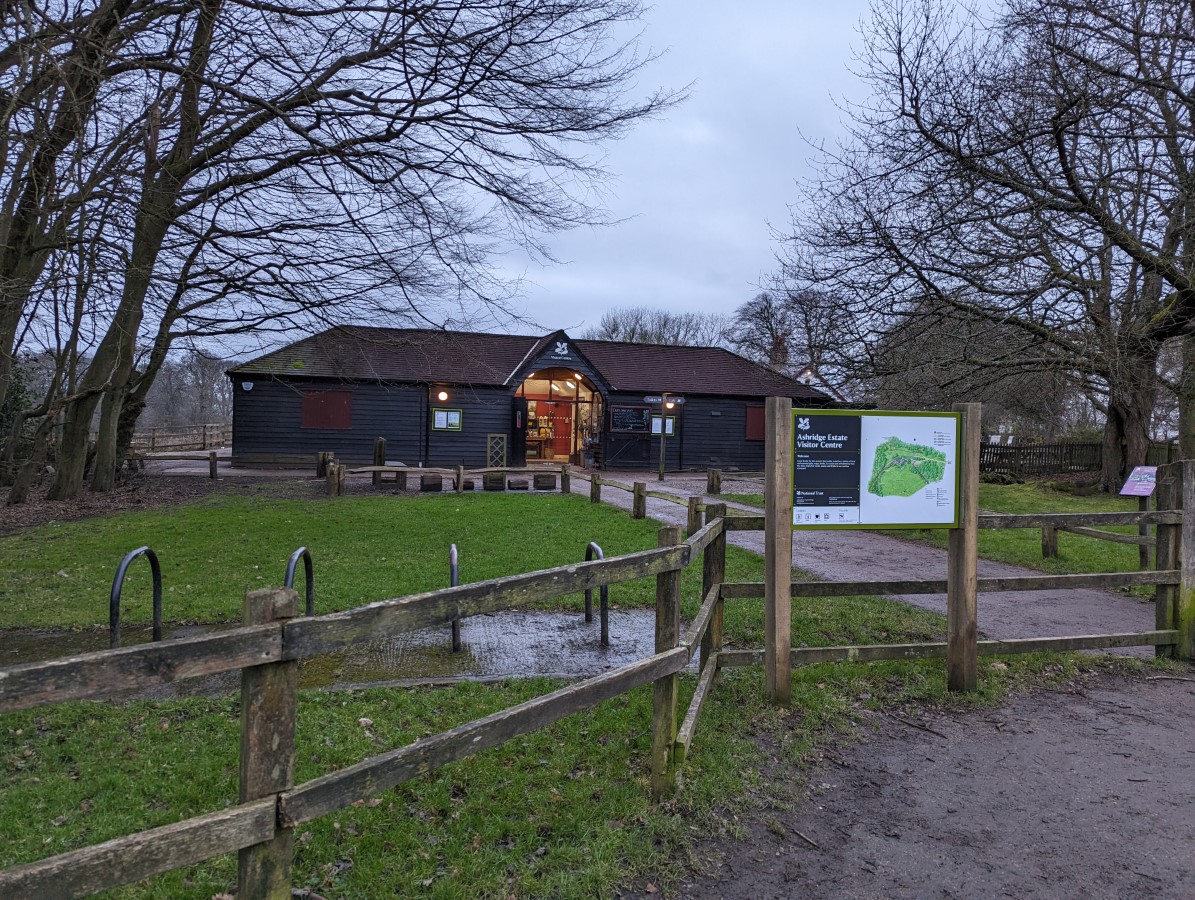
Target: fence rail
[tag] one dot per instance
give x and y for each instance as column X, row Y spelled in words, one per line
column 183, row 437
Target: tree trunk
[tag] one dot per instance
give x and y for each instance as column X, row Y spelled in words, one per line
column 1186, row 401
column 1130, row 409
column 29, row 469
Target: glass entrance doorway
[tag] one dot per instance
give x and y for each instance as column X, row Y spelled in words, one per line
column 564, row 416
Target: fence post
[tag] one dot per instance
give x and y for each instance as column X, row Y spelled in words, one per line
column 639, row 501
column 379, row 458
column 962, row 628
column 595, row 487
column 1166, row 554
column 153, row 439
column 1049, row 542
column 211, row 465
column 713, row 481
column 778, row 548
column 693, row 523
column 566, row 480
column 267, row 747
column 1184, row 606
column 664, row 694
column 713, row 571
column 460, row 479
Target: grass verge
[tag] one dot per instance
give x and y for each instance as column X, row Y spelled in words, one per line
column 364, row 549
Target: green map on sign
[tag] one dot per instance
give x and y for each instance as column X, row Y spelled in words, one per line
column 901, row 469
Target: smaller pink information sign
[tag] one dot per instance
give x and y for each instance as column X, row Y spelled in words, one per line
column 1141, row 483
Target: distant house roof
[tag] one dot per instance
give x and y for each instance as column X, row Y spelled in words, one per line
column 358, row 353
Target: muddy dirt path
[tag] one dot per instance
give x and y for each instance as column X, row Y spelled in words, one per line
column 1087, row 793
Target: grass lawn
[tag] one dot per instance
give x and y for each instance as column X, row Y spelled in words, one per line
column 364, row 549
column 563, row 812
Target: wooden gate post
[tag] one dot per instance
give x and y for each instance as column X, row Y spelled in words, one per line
column 268, row 703
column 693, row 520
column 460, row 479
column 566, row 480
column 379, row 458
column 1049, row 542
column 211, row 465
column 778, row 548
column 664, row 692
column 639, row 501
column 1184, row 604
column 595, row 487
column 1169, row 496
column 713, row 481
column 713, row 572
column 962, row 627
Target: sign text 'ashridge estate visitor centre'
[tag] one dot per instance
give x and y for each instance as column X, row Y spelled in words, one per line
column 874, row 469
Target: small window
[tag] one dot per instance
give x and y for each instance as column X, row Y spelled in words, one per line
column 328, row 409
column 755, row 426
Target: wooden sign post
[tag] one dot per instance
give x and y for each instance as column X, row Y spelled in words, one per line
column 778, row 548
column 962, row 627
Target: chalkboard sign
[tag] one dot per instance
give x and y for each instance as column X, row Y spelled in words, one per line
column 629, row 418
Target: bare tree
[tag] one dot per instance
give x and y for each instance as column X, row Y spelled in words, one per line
column 1033, row 172
column 646, row 325
column 233, row 165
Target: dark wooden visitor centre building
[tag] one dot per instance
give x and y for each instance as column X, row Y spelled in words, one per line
column 445, row 398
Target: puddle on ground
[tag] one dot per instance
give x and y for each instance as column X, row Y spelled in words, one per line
column 494, row 646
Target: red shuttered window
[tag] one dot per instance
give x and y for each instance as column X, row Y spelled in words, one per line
column 755, row 426
column 328, row 410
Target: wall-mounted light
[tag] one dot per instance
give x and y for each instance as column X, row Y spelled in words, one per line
column 669, row 404
column 442, row 396
column 572, row 384
column 246, row 385
column 578, row 376
column 552, row 386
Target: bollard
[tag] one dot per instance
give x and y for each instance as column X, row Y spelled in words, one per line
column 454, row 578
column 639, row 501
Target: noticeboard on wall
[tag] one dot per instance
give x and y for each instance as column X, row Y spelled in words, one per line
column 630, row 418
column 655, row 425
column 875, row 469
column 446, row 419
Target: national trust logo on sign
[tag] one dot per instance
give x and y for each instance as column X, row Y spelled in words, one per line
column 803, row 423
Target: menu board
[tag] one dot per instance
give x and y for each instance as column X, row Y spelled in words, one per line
column 630, row 418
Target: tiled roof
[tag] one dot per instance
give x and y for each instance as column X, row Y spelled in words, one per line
column 392, row 354
column 695, row 370
column 457, row 357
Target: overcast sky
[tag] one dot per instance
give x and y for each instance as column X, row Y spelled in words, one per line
column 700, row 186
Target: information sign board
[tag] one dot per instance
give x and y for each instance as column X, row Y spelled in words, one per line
column 1141, row 483
column 875, row 469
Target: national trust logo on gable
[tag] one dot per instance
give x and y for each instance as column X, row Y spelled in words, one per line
column 561, row 349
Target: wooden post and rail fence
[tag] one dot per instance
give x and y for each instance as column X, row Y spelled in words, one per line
column 274, row 639
column 267, row 651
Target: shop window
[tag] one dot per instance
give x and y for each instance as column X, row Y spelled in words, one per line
column 328, row 410
column 755, row 426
